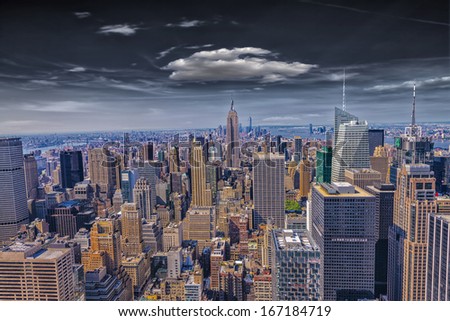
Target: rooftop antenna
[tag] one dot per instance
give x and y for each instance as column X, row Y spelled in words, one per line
column 343, row 93
column 413, row 114
column 232, row 104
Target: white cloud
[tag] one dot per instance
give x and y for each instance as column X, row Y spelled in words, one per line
column 247, row 63
column 436, row 81
column 67, row 106
column 123, row 29
column 200, row 46
column 186, row 24
column 164, row 53
column 77, row 69
column 44, row 82
column 82, row 15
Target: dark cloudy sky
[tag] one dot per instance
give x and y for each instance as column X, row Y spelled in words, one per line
column 106, row 65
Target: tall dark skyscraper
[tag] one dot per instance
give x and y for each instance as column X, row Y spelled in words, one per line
column 71, row 168
column 232, row 138
column 384, row 194
column 268, row 188
column 323, row 164
column 31, row 175
column 343, row 226
column 250, row 128
column 13, row 198
column 376, row 138
column 148, row 151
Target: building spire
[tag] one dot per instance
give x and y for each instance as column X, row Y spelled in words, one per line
column 413, row 114
column 343, row 92
column 232, row 104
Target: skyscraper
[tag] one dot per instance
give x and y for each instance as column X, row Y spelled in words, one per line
column 101, row 171
column 105, row 236
column 384, row 194
column 232, row 139
column 296, row 266
column 148, row 151
column 323, row 164
column 340, row 117
column 380, row 162
column 305, row 178
column 297, row 148
column 414, row 201
column 13, row 198
column 31, row 175
column 343, row 226
column 268, row 188
column 411, row 147
column 128, row 177
column 71, row 168
column 376, row 138
column 142, row 197
column 29, row 272
column 174, row 160
column 250, row 127
column 198, row 177
column 132, row 242
column 351, row 149
column 438, row 261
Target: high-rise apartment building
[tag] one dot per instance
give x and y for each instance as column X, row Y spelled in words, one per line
column 296, row 266
column 343, row 226
column 29, row 272
column 351, row 149
column 414, row 202
column 71, row 168
column 13, row 195
column 268, row 188
column 232, row 139
column 217, row 257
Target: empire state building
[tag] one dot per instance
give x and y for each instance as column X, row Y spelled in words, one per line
column 232, row 138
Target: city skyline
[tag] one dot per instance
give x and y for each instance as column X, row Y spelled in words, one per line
column 83, row 67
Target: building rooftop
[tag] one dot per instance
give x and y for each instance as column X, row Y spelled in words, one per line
column 334, row 190
column 294, row 240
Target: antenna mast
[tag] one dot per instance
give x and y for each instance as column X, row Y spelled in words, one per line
column 343, row 93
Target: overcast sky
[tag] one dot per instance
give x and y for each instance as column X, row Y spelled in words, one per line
column 138, row 65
